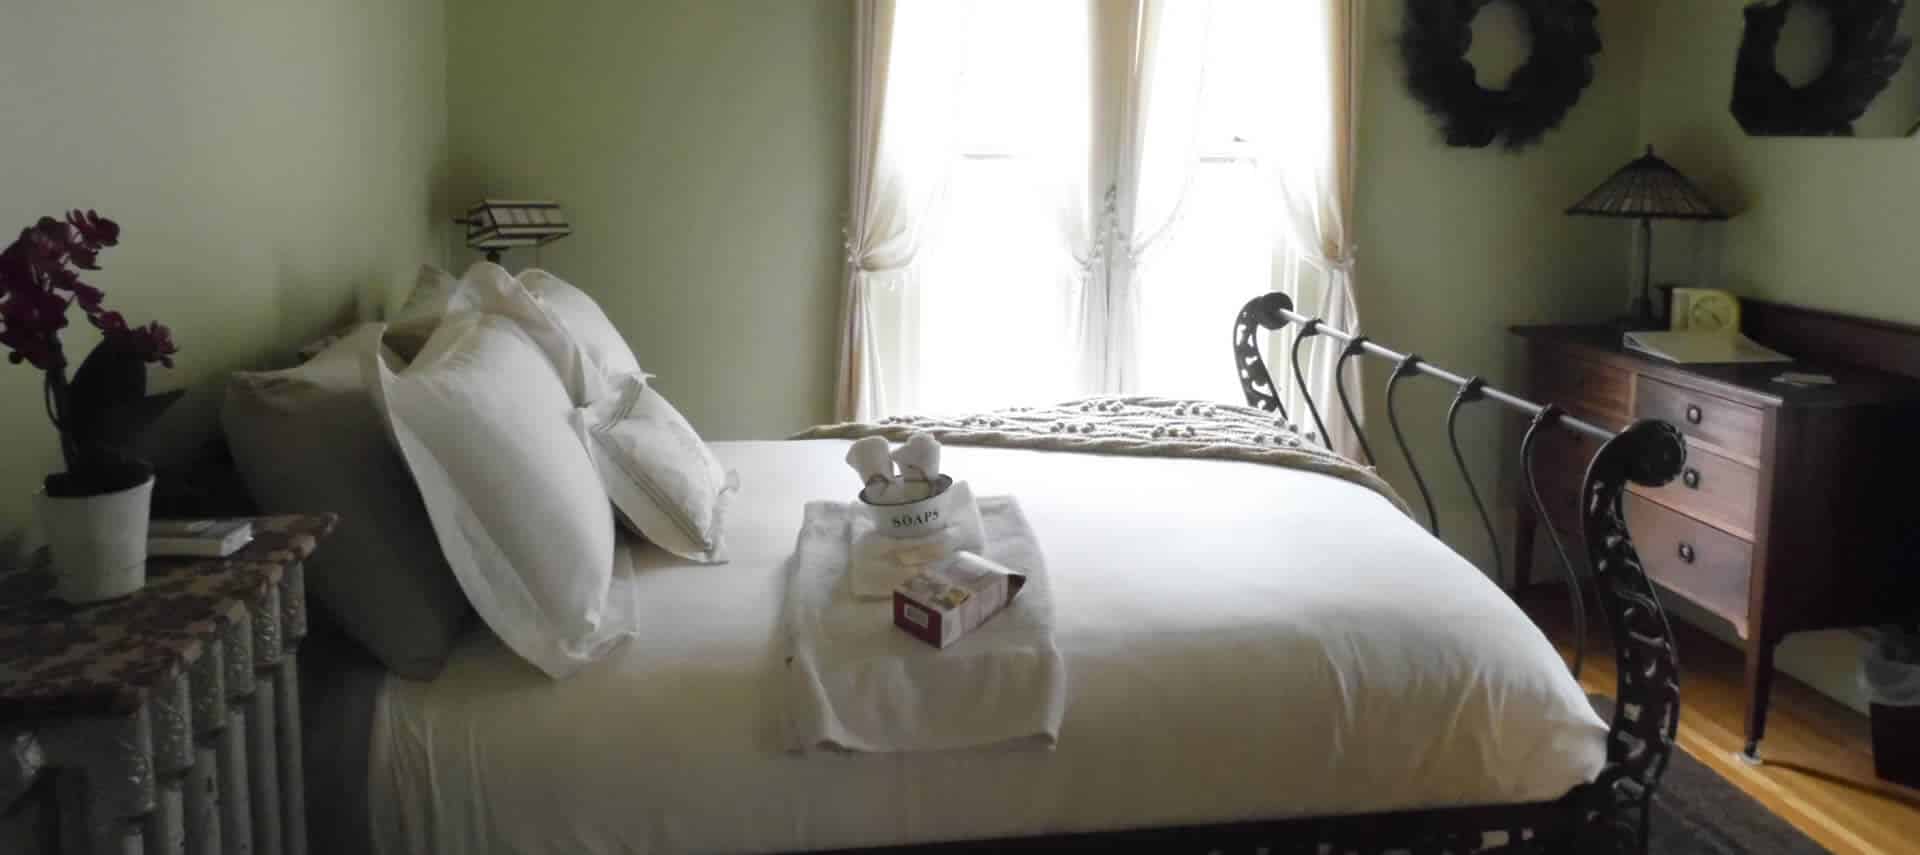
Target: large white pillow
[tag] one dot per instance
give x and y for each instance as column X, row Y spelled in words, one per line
column 485, row 426
column 488, row 287
column 667, row 484
column 591, row 329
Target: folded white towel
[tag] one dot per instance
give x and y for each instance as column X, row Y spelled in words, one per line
column 857, row 683
column 882, row 561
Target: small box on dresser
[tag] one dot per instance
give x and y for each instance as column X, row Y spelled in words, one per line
column 166, row 721
column 1790, row 513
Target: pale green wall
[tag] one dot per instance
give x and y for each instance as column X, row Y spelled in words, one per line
column 1827, row 223
column 271, row 164
column 701, row 150
column 1456, row 244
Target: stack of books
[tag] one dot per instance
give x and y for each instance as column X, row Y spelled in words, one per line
column 198, row 538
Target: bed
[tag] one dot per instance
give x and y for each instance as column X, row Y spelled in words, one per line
column 1257, row 658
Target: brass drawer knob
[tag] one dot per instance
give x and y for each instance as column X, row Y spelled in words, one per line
column 1693, row 414
column 1686, row 552
column 1691, row 478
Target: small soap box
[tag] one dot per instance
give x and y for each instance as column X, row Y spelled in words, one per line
column 942, row 604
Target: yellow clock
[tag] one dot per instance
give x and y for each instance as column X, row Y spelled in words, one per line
column 1705, row 310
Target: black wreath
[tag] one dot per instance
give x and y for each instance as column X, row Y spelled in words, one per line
column 1542, row 90
column 1867, row 50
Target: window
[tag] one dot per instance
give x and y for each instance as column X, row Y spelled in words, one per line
column 999, row 289
column 1103, row 215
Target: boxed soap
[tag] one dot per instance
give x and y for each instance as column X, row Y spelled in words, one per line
column 941, row 604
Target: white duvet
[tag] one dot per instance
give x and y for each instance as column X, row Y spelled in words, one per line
column 1241, row 642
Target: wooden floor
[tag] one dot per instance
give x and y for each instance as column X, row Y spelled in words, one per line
column 1818, row 763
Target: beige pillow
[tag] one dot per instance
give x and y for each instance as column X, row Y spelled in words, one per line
column 435, row 294
column 308, row 439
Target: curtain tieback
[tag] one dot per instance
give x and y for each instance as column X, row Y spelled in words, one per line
column 851, row 250
column 1341, row 263
column 856, row 257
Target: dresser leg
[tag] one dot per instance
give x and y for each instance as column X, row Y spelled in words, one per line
column 1759, row 691
column 1524, row 524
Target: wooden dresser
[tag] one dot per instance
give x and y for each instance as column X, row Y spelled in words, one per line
column 1794, row 501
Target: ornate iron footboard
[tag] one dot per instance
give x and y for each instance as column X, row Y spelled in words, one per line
column 1609, row 815
column 1612, row 813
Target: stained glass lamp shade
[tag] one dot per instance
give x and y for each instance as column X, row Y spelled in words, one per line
column 1648, row 189
column 497, row 225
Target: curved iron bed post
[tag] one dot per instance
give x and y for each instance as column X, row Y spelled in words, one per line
column 1576, row 592
column 1640, row 740
column 1611, row 814
column 1308, row 329
column 1407, row 368
column 1258, row 385
column 1356, row 346
column 1473, row 392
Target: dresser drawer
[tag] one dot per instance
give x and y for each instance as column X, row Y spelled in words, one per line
column 1588, row 390
column 1696, row 560
column 1724, row 424
column 1560, row 464
column 1713, row 489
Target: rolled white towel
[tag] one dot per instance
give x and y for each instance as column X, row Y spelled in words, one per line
column 872, row 459
column 918, row 459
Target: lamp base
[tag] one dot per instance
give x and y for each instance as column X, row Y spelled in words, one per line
column 1640, row 316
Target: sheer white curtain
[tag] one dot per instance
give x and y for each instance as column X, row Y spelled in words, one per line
column 1000, row 312
column 1121, row 176
column 906, row 73
column 1159, row 146
column 1201, row 211
column 1307, row 161
column 1266, row 205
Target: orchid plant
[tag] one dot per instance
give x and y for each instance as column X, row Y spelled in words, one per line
column 105, row 403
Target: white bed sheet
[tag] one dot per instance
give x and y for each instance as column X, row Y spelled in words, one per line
column 1241, row 642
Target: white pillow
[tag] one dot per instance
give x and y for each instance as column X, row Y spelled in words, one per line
column 516, row 503
column 667, row 484
column 488, row 287
column 591, row 329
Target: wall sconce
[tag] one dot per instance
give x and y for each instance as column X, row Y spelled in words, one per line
column 497, row 225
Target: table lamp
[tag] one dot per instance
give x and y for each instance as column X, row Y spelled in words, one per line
column 1647, row 189
column 497, row 225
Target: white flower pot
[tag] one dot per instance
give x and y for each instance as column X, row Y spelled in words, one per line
column 99, row 543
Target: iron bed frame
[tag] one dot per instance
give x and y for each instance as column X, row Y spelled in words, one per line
column 1609, row 815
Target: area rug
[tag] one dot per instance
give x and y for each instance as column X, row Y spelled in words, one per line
column 1697, row 812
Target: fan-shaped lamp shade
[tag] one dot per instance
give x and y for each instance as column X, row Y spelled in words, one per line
column 1648, row 188
column 497, row 225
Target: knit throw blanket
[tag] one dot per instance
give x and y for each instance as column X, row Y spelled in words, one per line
column 1136, row 426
